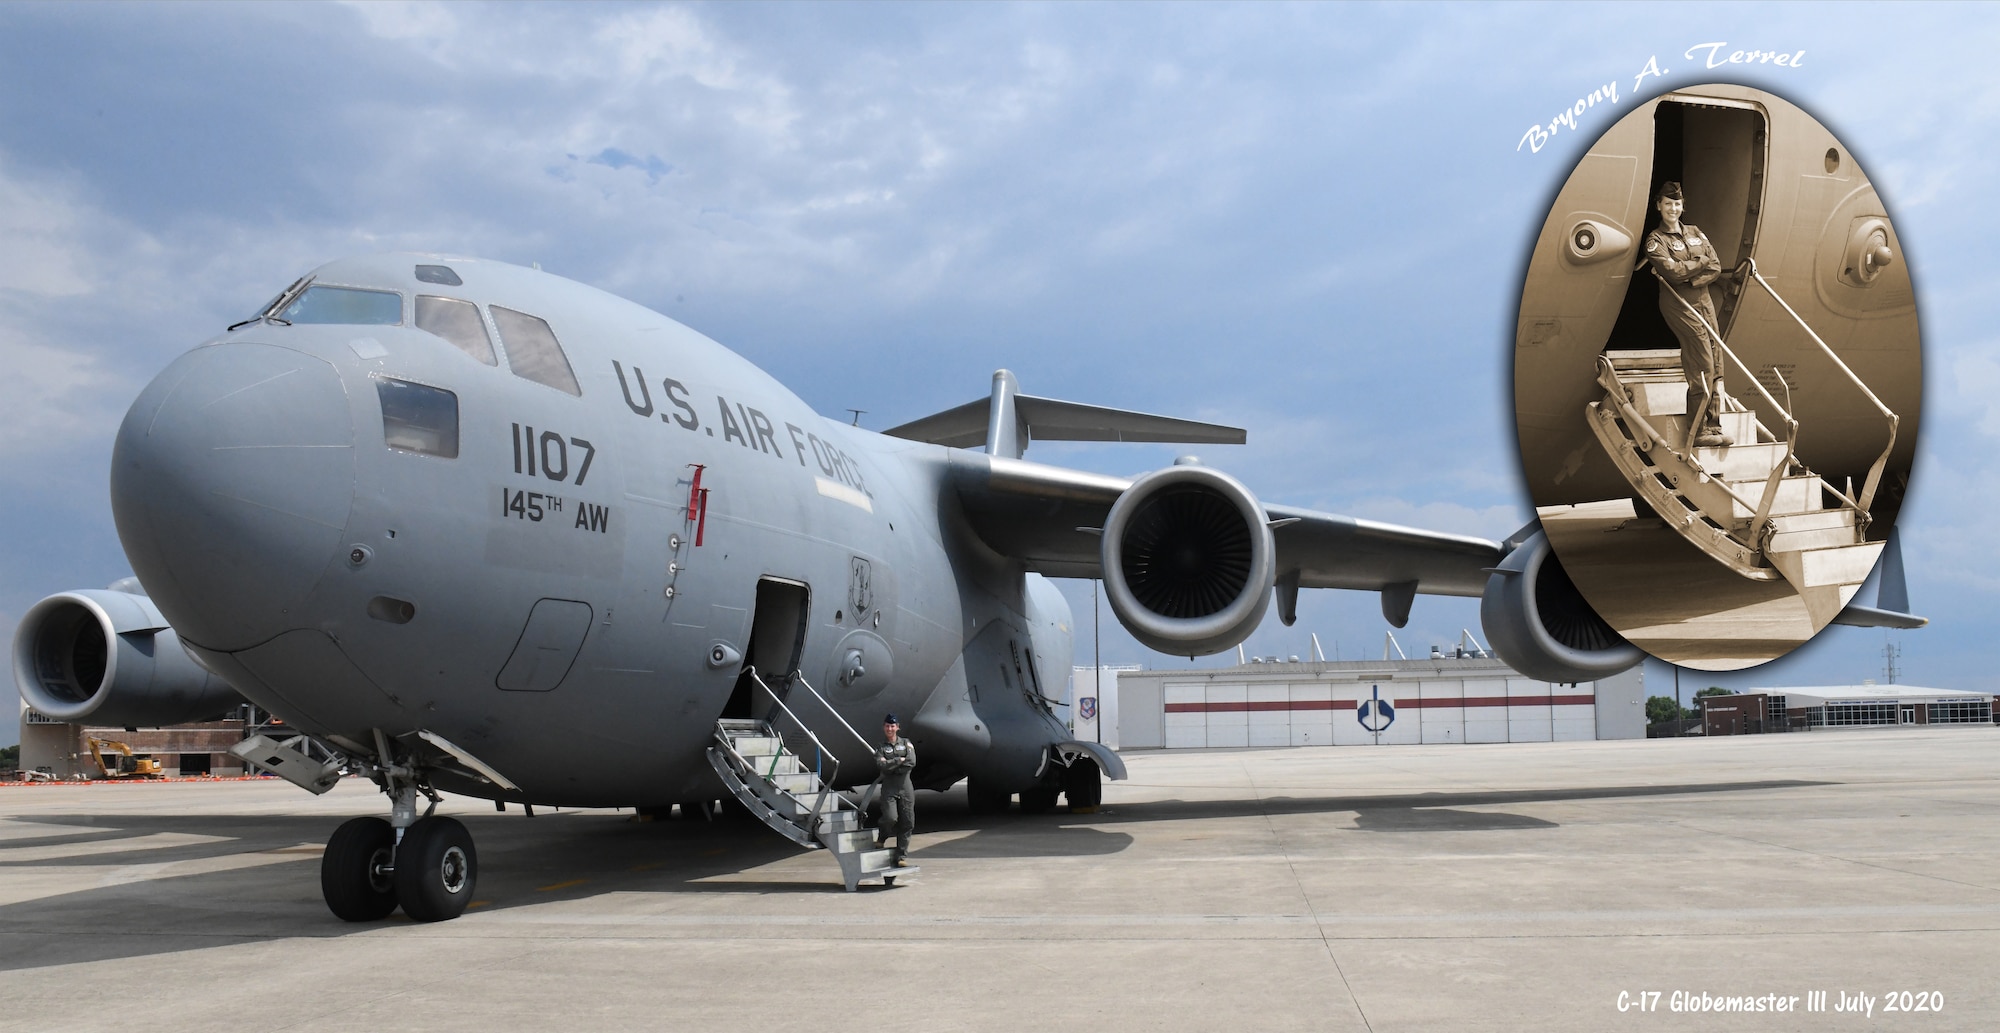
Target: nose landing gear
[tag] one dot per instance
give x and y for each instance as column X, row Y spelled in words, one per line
column 356, row 874
column 435, row 870
column 365, row 873
column 425, row 864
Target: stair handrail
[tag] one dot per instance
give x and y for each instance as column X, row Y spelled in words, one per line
column 1770, row 493
column 1874, row 480
column 819, row 749
column 1762, row 523
column 1726, row 350
column 865, row 744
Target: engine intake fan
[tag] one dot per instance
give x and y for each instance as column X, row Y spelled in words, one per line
column 1542, row 626
column 1188, row 560
column 110, row 657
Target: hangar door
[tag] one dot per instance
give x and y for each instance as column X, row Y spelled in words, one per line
column 1380, row 712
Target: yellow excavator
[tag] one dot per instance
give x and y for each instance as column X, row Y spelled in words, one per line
column 124, row 765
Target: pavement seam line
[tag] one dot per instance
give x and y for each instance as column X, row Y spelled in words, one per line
column 1306, row 899
column 1836, row 857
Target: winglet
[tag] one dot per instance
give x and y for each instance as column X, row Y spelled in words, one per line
column 1007, row 420
column 1892, row 595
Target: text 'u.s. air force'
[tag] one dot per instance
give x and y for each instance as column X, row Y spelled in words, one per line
column 743, row 424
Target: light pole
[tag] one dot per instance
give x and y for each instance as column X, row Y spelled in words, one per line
column 1096, row 666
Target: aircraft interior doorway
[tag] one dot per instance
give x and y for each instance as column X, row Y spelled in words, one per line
column 1717, row 153
column 777, row 642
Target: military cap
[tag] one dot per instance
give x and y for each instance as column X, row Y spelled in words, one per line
column 1671, row 190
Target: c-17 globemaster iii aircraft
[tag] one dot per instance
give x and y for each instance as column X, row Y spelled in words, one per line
column 472, row 527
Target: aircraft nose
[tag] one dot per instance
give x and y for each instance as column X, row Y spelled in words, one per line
column 231, row 483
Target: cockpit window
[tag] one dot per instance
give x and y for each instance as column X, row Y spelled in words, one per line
column 532, row 350
column 458, row 322
column 441, row 274
column 321, row 304
column 416, row 418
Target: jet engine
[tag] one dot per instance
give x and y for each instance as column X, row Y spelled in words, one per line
column 1188, row 560
column 1542, row 626
column 110, row 657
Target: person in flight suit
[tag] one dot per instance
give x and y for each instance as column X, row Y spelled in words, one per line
column 897, row 758
column 1687, row 263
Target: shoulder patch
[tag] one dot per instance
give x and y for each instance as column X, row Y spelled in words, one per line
column 1652, row 245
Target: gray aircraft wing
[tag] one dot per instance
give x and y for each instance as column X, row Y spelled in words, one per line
column 1048, row 518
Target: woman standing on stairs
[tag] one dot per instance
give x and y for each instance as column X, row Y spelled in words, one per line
column 896, row 758
column 1686, row 264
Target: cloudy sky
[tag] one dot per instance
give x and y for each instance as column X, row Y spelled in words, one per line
column 1310, row 221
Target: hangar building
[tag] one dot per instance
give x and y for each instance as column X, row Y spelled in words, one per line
column 1441, row 699
column 1842, row 706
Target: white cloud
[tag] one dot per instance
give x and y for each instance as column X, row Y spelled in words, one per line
column 51, row 395
column 39, row 249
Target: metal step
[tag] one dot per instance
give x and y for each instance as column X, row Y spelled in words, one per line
column 757, row 745
column 1654, row 396
column 1812, row 539
column 1827, row 578
column 1742, row 462
column 851, row 841
column 1813, row 521
column 776, row 786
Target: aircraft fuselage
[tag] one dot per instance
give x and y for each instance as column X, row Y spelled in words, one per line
column 602, row 564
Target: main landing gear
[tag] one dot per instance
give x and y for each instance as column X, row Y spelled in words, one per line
column 1081, row 783
column 425, row 864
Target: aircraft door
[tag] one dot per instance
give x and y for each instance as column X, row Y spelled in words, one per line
column 1723, row 154
column 1716, row 150
column 777, row 640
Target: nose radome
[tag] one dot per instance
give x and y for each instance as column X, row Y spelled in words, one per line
column 231, row 483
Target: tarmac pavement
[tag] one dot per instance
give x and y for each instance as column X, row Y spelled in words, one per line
column 1548, row 886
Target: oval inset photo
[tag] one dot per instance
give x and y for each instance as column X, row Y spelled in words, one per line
column 1717, row 378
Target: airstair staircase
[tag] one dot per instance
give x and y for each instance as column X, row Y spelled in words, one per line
column 1751, row 505
column 798, row 800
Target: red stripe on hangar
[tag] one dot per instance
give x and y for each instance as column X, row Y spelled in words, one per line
column 1583, row 700
column 1263, row 705
column 1298, row 705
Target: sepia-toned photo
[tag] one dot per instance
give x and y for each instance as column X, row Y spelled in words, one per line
column 1717, row 377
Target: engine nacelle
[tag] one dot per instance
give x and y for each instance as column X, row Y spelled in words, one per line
column 1542, row 626
column 110, row 657
column 1188, row 560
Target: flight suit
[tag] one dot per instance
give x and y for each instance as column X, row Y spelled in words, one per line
column 1687, row 264
column 899, row 799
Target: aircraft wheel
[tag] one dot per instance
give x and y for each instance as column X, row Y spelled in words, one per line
column 1083, row 785
column 981, row 800
column 436, row 868
column 353, row 874
column 1039, row 800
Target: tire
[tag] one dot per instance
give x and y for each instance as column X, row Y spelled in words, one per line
column 1083, row 785
column 1039, row 800
column 436, row 869
column 348, row 871
column 981, row 800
